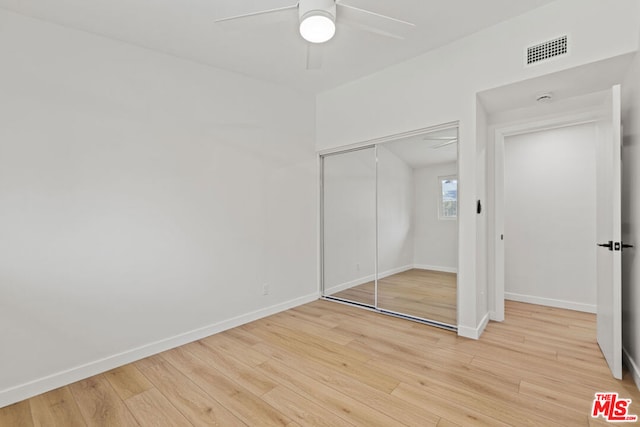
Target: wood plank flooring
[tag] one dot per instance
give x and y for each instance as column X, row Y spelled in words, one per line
column 328, row 364
column 421, row 293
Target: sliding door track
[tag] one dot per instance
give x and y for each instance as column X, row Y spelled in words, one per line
column 437, row 324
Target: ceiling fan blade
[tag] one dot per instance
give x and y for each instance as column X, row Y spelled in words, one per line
column 444, row 144
column 373, row 22
column 252, row 14
column 314, row 56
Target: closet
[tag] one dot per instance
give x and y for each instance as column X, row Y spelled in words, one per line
column 389, row 229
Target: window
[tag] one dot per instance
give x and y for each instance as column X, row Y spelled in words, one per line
column 448, row 203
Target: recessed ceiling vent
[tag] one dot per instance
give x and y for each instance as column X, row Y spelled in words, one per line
column 547, row 50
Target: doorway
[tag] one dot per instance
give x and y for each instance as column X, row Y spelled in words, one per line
column 535, row 127
column 607, row 209
column 550, row 217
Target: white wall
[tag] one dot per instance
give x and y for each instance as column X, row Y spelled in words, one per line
column 630, row 219
column 395, row 213
column 144, row 201
column 438, row 87
column 550, row 217
column 436, row 240
column 349, row 192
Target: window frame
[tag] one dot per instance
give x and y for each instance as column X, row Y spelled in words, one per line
column 441, row 179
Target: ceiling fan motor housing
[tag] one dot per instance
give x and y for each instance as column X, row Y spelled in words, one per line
column 315, row 7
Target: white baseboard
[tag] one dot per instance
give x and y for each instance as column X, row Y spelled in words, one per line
column 347, row 285
column 395, row 271
column 362, row 280
column 570, row 305
column 60, row 379
column 632, row 366
column 371, row 277
column 474, row 333
column 435, row 268
column 493, row 315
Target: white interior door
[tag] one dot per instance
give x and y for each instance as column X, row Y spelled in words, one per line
column 608, row 231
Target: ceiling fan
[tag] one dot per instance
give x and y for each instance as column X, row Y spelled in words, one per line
column 317, row 19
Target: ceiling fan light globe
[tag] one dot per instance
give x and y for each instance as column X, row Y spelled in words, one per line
column 317, row 27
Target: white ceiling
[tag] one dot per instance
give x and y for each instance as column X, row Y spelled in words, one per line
column 580, row 88
column 422, row 150
column 574, row 90
column 268, row 48
column 563, row 85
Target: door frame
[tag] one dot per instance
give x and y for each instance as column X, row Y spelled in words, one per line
column 495, row 184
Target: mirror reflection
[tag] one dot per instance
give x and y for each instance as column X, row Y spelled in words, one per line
column 390, row 229
column 417, row 226
column 349, row 225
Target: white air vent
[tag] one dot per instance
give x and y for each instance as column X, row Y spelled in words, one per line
column 547, row 50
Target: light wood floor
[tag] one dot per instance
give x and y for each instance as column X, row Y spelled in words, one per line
column 421, row 293
column 330, row 364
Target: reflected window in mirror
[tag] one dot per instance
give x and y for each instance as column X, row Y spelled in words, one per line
column 448, row 203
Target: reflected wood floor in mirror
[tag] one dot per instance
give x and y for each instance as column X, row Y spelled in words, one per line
column 420, row 293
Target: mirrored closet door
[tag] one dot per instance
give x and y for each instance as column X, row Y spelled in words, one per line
column 349, row 225
column 417, row 226
column 389, row 227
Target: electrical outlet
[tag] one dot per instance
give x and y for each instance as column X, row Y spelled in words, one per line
column 265, row 289
column 357, row 267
